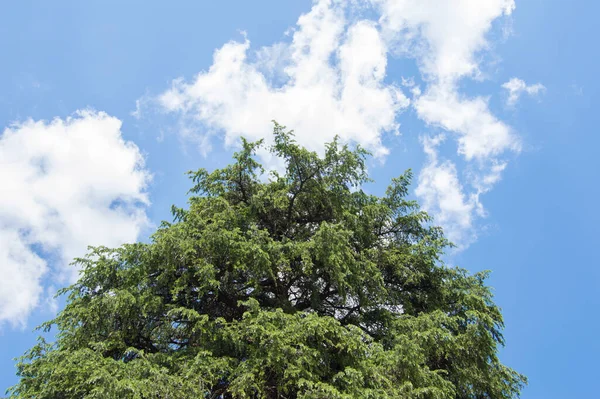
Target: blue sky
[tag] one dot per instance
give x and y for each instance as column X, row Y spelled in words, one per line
column 105, row 105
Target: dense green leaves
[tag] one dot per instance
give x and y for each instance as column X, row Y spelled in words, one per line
column 296, row 286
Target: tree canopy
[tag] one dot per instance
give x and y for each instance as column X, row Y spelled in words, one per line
column 299, row 285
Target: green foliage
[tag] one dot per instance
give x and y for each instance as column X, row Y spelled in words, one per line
column 299, row 286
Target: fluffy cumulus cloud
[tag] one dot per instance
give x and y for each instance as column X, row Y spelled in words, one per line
column 515, row 87
column 330, row 78
column 66, row 184
column 319, row 97
column 444, row 35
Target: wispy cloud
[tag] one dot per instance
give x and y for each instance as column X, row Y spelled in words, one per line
column 441, row 193
column 446, row 38
column 66, row 184
column 516, row 87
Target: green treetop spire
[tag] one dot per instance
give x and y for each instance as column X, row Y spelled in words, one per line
column 302, row 286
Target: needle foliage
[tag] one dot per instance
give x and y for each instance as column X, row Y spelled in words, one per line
column 297, row 286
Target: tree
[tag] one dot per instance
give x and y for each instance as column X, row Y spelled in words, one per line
column 299, row 286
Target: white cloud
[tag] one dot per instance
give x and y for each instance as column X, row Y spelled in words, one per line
column 442, row 194
column 331, row 79
column 516, row 87
column 318, row 98
column 446, row 38
column 480, row 135
column 444, row 35
column 66, row 184
column 22, row 271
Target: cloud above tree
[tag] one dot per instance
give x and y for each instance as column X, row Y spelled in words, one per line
column 330, row 78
